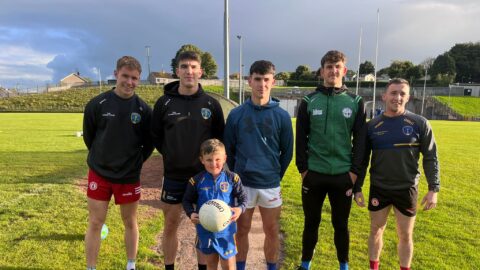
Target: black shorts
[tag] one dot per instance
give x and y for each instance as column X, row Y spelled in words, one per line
column 405, row 200
column 173, row 190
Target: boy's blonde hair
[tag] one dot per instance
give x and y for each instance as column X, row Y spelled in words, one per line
column 211, row 146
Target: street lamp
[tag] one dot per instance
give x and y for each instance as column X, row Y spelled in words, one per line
column 147, row 51
column 226, row 44
column 240, row 75
column 424, row 86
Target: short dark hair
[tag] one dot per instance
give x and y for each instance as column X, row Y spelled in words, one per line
column 211, row 146
column 262, row 67
column 397, row 81
column 189, row 55
column 129, row 62
column 333, row 57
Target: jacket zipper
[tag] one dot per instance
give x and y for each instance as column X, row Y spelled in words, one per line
column 326, row 115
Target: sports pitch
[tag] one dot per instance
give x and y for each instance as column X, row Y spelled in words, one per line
column 43, row 213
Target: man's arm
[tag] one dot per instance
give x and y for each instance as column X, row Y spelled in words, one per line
column 428, row 148
column 89, row 124
column 230, row 141
column 157, row 125
column 218, row 126
column 147, row 144
column 286, row 144
column 301, row 141
column 359, row 134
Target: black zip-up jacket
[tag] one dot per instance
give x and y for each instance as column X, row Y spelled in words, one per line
column 116, row 132
column 180, row 124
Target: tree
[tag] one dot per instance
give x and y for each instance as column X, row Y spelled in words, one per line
column 350, row 74
column 282, row 76
column 398, row 69
column 366, row 68
column 301, row 71
column 414, row 73
column 443, row 69
column 209, row 65
column 467, row 61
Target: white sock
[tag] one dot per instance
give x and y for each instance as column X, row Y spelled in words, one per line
column 131, row 265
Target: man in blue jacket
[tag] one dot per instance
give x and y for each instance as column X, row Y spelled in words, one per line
column 259, row 141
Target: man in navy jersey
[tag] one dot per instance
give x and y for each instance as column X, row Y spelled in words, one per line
column 396, row 138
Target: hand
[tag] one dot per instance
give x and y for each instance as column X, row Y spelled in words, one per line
column 237, row 211
column 358, row 197
column 353, row 177
column 304, row 174
column 430, row 200
column 194, row 218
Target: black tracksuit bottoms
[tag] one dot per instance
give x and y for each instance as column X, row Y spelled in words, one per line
column 315, row 188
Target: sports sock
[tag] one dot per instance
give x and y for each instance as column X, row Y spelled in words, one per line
column 306, row 264
column 343, row 266
column 271, row 266
column 404, row 268
column 91, row 268
column 374, row 265
column 202, row 267
column 130, row 264
column 170, row 266
column 241, row 265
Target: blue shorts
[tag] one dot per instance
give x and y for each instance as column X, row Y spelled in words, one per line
column 173, row 190
column 224, row 246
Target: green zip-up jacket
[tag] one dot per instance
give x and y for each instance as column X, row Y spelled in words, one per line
column 331, row 132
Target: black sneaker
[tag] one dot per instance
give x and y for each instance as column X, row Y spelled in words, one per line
column 301, row 268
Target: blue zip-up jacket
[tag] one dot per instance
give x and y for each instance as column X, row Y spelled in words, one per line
column 202, row 188
column 259, row 143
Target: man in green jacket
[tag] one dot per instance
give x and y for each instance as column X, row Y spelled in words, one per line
column 330, row 147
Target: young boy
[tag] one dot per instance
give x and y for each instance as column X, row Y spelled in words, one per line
column 215, row 183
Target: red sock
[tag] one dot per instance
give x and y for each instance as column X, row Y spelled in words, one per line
column 404, row 268
column 374, row 265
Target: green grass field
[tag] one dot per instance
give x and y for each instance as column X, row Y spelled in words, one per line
column 445, row 238
column 466, row 106
column 43, row 213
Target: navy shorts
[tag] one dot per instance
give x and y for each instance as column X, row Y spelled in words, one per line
column 405, row 200
column 173, row 190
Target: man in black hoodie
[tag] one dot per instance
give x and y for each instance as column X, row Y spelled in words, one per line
column 183, row 118
column 116, row 131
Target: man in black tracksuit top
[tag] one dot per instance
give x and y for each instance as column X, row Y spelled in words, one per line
column 116, row 131
column 183, row 118
column 327, row 158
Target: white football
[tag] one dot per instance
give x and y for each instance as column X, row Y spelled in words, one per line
column 215, row 215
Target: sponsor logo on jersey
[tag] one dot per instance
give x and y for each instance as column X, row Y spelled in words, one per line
column 93, row 186
column 135, row 117
column 375, row 202
column 206, row 113
column 174, row 113
column 317, row 112
column 224, row 186
column 347, row 112
column 108, row 114
column 407, row 130
column 408, row 121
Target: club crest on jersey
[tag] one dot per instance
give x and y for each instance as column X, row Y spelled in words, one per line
column 407, row 130
column 347, row 112
column 206, row 113
column 93, row 186
column 135, row 118
column 224, row 186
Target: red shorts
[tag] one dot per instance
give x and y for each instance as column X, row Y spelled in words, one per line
column 101, row 189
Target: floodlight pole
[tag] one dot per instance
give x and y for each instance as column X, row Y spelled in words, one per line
column 147, row 48
column 359, row 59
column 376, row 63
column 240, row 78
column 226, row 43
column 424, row 87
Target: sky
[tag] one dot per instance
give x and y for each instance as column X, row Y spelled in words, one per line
column 41, row 42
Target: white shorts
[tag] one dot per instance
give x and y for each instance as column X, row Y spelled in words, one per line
column 266, row 198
